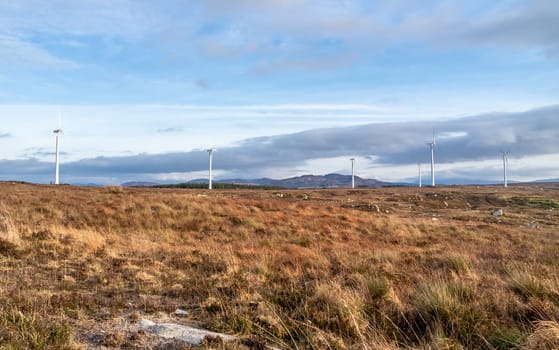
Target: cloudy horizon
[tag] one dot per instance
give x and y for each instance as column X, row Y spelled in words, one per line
column 282, row 88
column 468, row 149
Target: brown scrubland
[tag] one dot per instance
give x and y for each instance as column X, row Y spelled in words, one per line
column 391, row 268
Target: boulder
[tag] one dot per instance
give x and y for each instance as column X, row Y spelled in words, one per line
column 190, row 335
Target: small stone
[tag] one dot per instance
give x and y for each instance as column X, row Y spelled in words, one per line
column 498, row 212
column 532, row 224
column 181, row 312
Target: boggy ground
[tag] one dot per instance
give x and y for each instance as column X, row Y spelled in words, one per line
column 392, row 268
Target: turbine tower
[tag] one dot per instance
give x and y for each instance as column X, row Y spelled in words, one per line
column 432, row 146
column 505, row 167
column 352, row 172
column 420, row 178
column 57, row 132
column 211, row 152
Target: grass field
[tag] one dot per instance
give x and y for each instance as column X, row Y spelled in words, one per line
column 393, row 268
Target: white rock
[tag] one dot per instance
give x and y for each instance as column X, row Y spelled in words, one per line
column 498, row 212
column 192, row 336
column 181, row 312
column 146, row 324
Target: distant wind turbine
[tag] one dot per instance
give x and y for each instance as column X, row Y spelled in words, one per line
column 352, row 172
column 57, row 132
column 505, row 167
column 432, row 146
column 420, row 177
column 211, row 152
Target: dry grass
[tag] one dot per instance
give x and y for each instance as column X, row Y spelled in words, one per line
column 306, row 270
column 545, row 336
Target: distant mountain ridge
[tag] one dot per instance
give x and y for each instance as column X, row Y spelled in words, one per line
column 327, row 181
column 314, row 181
column 304, row 181
column 139, row 184
column 547, row 180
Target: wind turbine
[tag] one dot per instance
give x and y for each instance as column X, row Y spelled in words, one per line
column 352, row 172
column 505, row 167
column 211, row 152
column 420, row 179
column 432, row 146
column 57, row 132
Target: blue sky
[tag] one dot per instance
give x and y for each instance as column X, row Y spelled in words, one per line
column 151, row 84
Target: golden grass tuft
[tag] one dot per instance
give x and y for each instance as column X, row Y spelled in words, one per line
column 545, row 336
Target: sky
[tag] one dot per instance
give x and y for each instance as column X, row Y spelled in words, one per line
column 280, row 87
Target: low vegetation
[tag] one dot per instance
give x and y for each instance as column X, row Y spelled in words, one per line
column 219, row 185
column 394, row 268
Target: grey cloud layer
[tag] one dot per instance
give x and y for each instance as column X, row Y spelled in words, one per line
column 515, row 24
column 532, row 24
column 482, row 137
column 530, row 133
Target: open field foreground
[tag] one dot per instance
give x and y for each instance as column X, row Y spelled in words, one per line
column 392, row 268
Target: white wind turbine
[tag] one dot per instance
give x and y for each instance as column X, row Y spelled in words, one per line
column 352, row 172
column 432, row 146
column 420, row 175
column 211, row 152
column 57, row 132
column 505, row 167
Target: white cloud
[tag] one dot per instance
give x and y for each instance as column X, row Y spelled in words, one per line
column 111, row 18
column 16, row 51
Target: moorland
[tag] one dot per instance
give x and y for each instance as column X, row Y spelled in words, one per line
column 388, row 268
